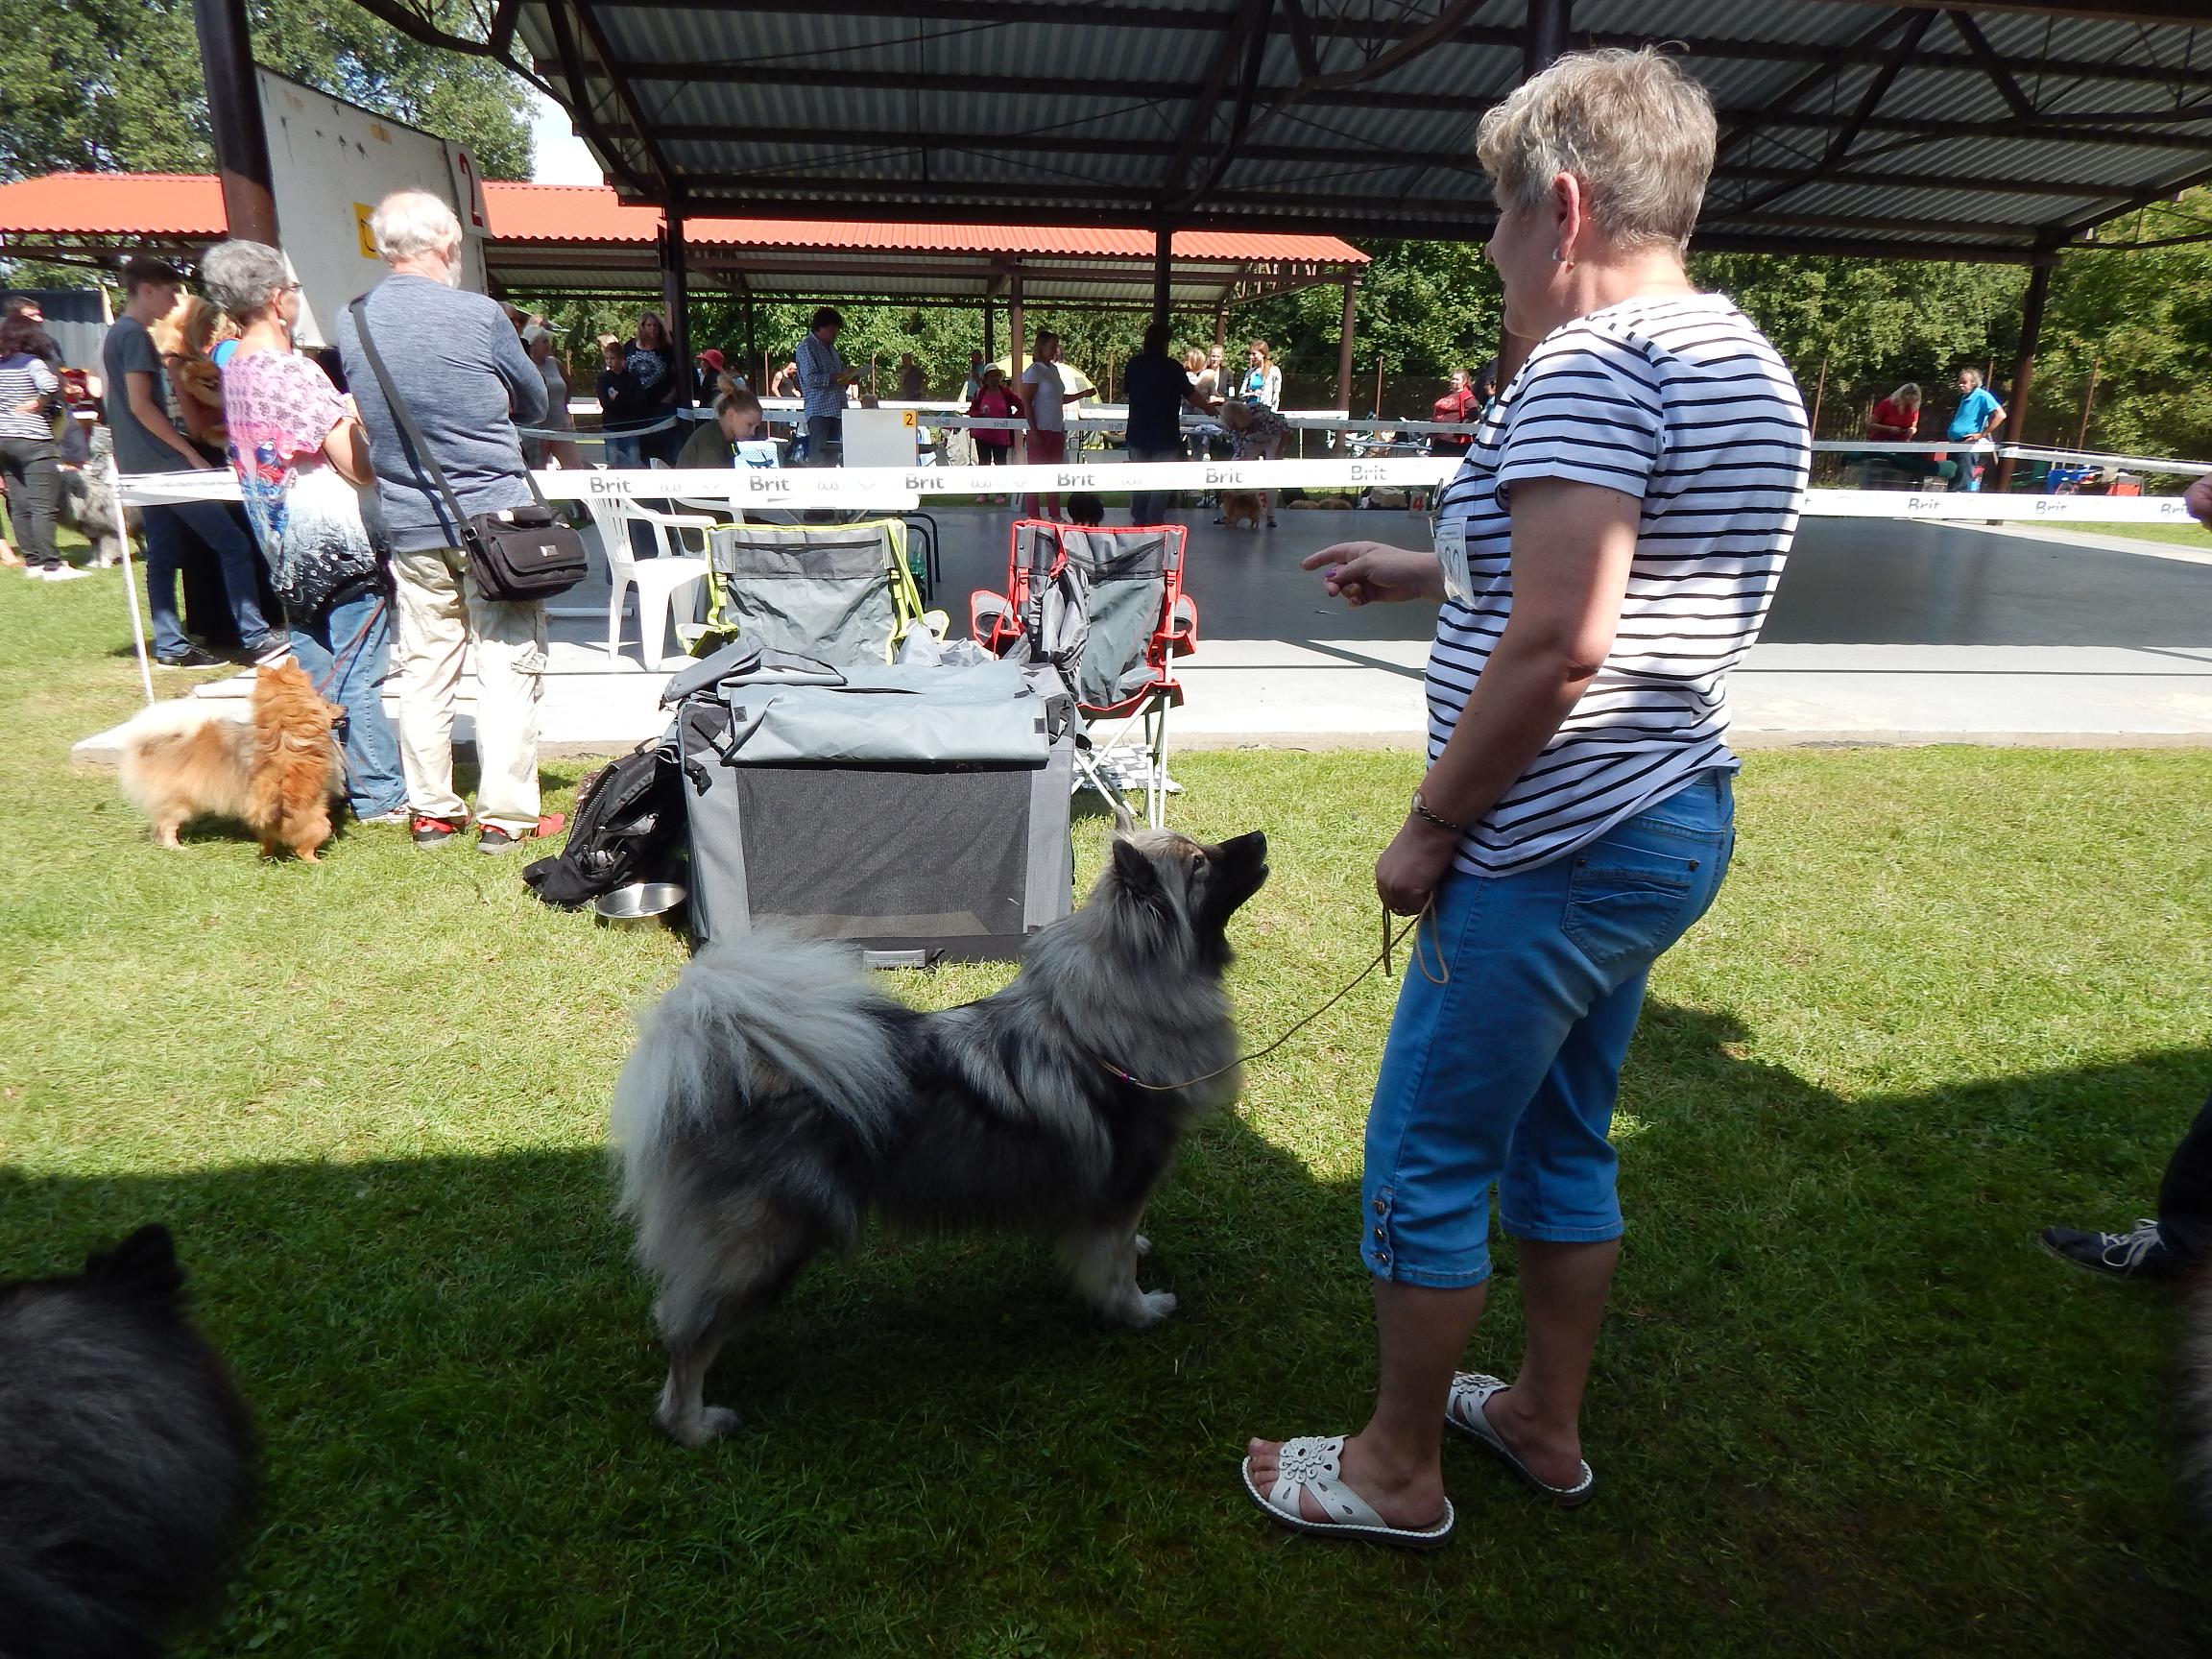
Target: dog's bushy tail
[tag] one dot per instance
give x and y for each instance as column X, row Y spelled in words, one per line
column 755, row 1031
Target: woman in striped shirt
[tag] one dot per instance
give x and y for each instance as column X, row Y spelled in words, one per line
column 29, row 391
column 1604, row 556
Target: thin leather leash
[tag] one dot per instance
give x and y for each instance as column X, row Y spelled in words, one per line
column 1442, row 977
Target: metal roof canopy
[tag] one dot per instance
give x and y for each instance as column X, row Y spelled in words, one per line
column 1999, row 130
column 581, row 240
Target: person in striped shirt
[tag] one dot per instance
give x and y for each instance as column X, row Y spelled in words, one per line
column 1604, row 556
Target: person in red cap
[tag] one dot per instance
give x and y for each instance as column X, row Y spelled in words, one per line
column 708, row 373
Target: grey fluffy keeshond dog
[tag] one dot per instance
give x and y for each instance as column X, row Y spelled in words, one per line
column 125, row 1460
column 776, row 1098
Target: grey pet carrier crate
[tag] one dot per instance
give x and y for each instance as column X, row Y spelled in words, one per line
column 920, row 814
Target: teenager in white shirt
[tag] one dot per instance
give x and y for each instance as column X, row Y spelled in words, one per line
column 1045, row 390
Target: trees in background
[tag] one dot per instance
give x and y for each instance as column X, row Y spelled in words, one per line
column 104, row 85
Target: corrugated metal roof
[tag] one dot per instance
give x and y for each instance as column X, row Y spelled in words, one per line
column 1031, row 110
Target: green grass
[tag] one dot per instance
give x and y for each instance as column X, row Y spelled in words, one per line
column 2193, row 536
column 1843, row 1404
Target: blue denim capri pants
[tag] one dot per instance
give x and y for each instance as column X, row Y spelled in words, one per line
column 1507, row 1074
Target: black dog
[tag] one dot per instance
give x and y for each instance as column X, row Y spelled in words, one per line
column 125, row 1460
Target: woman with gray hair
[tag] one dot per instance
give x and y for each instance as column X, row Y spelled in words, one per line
column 300, row 456
column 1604, row 555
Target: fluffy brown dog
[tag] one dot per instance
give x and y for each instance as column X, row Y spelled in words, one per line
column 1248, row 505
column 277, row 772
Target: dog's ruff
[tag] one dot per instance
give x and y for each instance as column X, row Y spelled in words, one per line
column 777, row 1097
column 276, row 771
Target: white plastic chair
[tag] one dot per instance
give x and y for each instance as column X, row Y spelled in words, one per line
column 656, row 581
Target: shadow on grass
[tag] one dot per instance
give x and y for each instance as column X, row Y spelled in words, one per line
column 1842, row 1404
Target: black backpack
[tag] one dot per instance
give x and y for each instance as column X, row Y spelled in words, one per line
column 629, row 827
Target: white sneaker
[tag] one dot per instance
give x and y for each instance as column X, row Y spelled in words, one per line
column 67, row 574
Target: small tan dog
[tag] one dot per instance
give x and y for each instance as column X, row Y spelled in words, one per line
column 1248, row 505
column 276, row 771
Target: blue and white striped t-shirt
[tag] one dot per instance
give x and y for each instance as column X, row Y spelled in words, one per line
column 1679, row 402
column 25, row 380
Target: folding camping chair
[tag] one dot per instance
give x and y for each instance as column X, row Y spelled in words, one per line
column 842, row 593
column 1106, row 606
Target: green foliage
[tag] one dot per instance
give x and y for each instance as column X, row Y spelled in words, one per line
column 100, row 86
column 2145, row 318
column 1423, row 308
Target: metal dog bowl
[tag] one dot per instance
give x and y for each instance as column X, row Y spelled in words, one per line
column 640, row 905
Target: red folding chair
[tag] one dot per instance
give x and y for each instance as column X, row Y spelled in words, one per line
column 1106, row 606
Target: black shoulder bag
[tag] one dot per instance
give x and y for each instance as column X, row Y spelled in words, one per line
column 517, row 553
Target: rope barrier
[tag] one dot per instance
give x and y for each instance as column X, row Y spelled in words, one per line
column 893, row 489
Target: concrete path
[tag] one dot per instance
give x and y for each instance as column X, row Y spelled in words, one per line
column 1882, row 632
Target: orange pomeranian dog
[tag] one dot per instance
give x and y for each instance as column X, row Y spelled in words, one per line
column 276, row 771
column 1248, row 505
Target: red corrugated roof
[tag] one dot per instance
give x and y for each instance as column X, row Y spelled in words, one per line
column 180, row 205
column 187, row 205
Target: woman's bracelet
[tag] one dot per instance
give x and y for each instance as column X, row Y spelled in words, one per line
column 1421, row 810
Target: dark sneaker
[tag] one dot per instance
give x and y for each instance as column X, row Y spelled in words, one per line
column 273, row 648
column 2138, row 1254
column 436, row 831
column 494, row 840
column 191, row 657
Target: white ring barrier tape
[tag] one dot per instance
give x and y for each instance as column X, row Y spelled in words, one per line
column 897, row 489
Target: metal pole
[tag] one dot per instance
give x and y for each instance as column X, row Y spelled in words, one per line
column 989, row 344
column 1344, row 348
column 129, row 584
column 1016, row 343
column 1543, row 35
column 1221, row 325
column 673, row 297
column 2081, row 438
column 2024, row 368
column 234, row 117
column 1163, row 267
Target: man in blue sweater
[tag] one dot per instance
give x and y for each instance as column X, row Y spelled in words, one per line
column 455, row 360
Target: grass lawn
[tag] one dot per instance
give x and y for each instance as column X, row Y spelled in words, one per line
column 2193, row 536
column 1843, row 1404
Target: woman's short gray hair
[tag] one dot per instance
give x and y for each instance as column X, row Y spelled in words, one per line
column 240, row 276
column 410, row 222
column 1638, row 132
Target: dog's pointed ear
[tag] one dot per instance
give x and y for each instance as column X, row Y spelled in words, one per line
column 1134, row 871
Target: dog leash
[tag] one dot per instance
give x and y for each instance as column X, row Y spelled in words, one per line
column 1442, row 977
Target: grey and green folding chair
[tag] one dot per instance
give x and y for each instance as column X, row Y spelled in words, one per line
column 839, row 592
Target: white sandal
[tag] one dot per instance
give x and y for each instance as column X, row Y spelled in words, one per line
column 1315, row 1464
column 1463, row 1411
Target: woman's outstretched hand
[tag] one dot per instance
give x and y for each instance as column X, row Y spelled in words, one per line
column 1373, row 573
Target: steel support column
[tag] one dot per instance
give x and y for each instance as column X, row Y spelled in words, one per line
column 1542, row 40
column 235, row 114
column 1016, row 344
column 1543, row 35
column 2024, row 366
column 1163, row 267
column 1344, row 347
column 674, row 300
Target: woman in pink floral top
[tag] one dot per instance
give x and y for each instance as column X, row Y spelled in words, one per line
column 298, row 452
